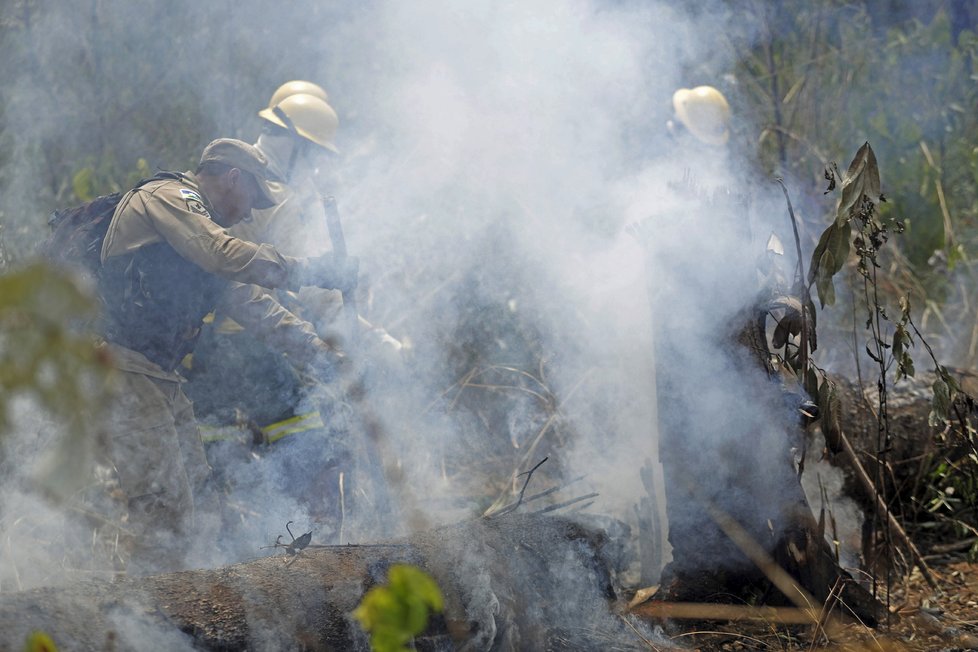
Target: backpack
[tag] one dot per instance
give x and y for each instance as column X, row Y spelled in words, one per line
column 77, row 233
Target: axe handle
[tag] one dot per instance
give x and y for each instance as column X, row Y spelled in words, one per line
column 370, row 429
column 350, row 312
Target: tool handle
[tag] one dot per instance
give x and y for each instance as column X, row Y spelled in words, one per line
column 335, row 227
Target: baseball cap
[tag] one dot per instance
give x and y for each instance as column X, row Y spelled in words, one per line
column 241, row 155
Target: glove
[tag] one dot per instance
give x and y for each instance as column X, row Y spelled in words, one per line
column 330, row 273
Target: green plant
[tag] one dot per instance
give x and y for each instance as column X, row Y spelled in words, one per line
column 46, row 353
column 38, row 641
column 90, row 181
column 949, row 490
column 396, row 613
column 814, row 76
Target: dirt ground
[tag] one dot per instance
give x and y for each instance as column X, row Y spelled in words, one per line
column 922, row 620
column 946, row 619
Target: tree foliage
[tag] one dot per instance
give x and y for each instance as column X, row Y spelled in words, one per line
column 46, row 357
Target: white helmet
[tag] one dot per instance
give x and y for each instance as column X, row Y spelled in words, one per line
column 704, row 112
column 311, row 117
column 295, row 87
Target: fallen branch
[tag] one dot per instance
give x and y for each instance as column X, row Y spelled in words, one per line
column 957, row 546
column 657, row 610
column 895, row 528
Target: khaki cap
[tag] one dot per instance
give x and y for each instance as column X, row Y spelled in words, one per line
column 245, row 157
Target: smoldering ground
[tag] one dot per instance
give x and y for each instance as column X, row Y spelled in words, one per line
column 494, row 155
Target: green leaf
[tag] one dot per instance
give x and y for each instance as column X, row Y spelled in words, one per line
column 396, row 613
column 411, row 580
column 811, row 382
column 790, row 322
column 828, row 258
column 901, row 342
column 872, row 354
column 45, row 352
column 907, row 366
column 862, row 179
column 828, row 409
column 38, row 641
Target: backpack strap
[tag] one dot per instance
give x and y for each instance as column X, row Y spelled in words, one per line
column 162, row 175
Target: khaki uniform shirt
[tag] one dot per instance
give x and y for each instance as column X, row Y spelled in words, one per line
column 297, row 225
column 176, row 212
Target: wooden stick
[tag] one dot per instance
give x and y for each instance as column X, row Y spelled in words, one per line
column 655, row 609
column 881, row 505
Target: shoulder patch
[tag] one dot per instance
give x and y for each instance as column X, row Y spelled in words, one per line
column 195, row 203
column 197, row 206
column 189, row 194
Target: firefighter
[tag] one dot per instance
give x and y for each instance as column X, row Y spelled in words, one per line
column 167, row 261
column 298, row 137
column 307, row 455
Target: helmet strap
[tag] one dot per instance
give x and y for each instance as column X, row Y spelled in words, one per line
column 296, row 140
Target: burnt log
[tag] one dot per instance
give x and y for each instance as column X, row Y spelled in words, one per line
column 514, row 582
column 910, row 439
column 888, row 464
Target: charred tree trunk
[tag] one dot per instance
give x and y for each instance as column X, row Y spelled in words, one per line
column 727, row 431
column 516, row 582
column 750, row 479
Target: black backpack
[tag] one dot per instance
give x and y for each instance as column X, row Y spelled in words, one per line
column 77, row 233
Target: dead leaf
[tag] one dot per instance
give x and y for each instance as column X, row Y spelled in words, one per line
column 642, row 595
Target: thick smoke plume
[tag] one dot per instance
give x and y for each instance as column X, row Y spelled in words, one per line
column 496, row 155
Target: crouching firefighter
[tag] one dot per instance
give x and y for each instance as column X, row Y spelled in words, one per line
column 299, row 427
column 167, row 260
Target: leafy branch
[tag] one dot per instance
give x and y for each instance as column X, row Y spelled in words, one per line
column 394, row 614
column 46, row 354
column 859, row 229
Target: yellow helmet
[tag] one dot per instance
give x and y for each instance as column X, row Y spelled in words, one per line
column 312, row 117
column 295, row 87
column 704, row 112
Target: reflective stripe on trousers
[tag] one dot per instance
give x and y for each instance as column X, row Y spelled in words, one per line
column 273, row 432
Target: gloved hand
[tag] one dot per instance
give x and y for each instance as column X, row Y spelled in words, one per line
column 330, row 273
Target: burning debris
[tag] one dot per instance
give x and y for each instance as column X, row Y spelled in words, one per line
column 495, row 316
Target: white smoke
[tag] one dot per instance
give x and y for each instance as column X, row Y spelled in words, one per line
column 496, row 154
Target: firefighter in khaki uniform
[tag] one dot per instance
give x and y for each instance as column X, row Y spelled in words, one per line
column 298, row 133
column 167, row 261
column 314, row 455
column 296, row 222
